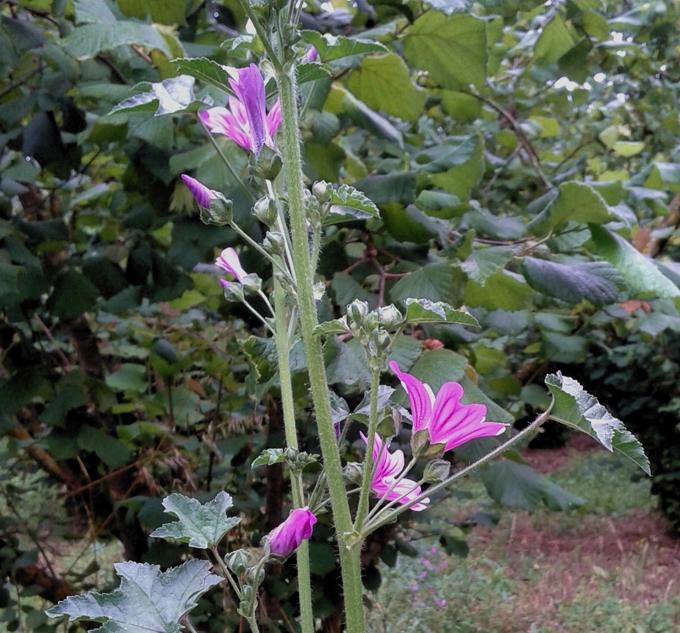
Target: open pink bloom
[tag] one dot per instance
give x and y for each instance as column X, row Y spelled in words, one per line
column 446, row 419
column 199, row 191
column 298, row 527
column 388, row 467
column 245, row 121
column 228, row 261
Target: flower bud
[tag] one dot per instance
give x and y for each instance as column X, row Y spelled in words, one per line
column 237, row 561
column 267, row 164
column 265, row 210
column 321, row 189
column 352, row 472
column 437, row 470
column 390, row 317
column 251, row 283
column 357, row 311
column 273, row 243
column 286, row 538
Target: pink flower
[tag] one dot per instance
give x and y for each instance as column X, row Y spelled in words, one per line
column 229, row 262
column 298, row 527
column 445, row 418
column 388, row 467
column 245, row 121
column 312, row 54
column 199, row 191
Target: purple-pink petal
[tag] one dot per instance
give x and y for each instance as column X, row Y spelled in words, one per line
column 312, row 54
column 298, row 527
column 202, row 194
column 228, row 260
column 249, row 88
column 419, row 396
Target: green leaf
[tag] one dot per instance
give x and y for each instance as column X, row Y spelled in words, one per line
column 426, row 311
column 205, row 70
column 555, row 40
column 451, row 48
column 461, row 106
column 129, row 377
column 384, row 188
column 383, row 83
column 161, row 11
column 520, row 486
column 347, row 363
column 73, row 294
column 664, row 176
column 329, row 328
column 331, row 47
column 269, row 457
column 110, row 450
column 576, row 408
column 165, row 97
column 437, row 366
column 200, row 525
column 639, row 273
column 91, row 39
column 348, row 203
column 576, row 202
column 435, row 282
column 500, row 291
column 146, row 601
column 597, row 282
column 408, row 224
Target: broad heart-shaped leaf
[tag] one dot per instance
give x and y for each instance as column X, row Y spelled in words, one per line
column 640, row 274
column 383, row 82
column 200, row 525
column 575, row 202
column 91, row 39
column 205, row 70
column 426, row 311
column 348, row 203
column 520, row 486
column 164, row 97
column 147, row 600
column 332, row 47
column 575, row 407
column 452, row 48
column 597, row 282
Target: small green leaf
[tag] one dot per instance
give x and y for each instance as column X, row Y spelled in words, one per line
column 130, row 377
column 269, row 457
column 576, row 408
column 576, row 202
column 112, row 451
column 328, row 328
column 597, row 282
column 348, row 203
column 426, row 311
column 200, row 525
column 519, row 486
column 639, row 272
column 555, row 40
column 452, row 48
column 331, row 47
column 164, row 97
column 205, row 70
column 147, row 599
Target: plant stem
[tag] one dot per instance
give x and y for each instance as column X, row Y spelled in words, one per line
column 288, row 405
column 367, row 475
column 292, row 162
column 391, row 516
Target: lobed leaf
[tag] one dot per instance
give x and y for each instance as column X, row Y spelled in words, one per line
column 426, row 311
column 146, row 601
column 576, row 408
column 200, row 525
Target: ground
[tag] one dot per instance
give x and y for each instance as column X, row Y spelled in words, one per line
column 610, row 566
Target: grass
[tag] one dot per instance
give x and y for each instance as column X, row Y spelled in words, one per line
column 606, row 567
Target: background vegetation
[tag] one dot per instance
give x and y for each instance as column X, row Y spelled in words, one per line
column 525, row 160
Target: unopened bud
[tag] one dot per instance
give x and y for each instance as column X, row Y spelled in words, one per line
column 353, row 472
column 237, row 561
column 390, row 317
column 273, row 243
column 267, row 164
column 357, row 311
column 251, row 283
column 219, row 213
column 265, row 210
column 321, row 190
column 436, row 470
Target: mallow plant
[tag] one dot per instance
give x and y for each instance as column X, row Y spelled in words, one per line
column 261, row 117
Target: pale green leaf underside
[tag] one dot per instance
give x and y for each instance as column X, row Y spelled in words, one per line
column 575, row 407
column 426, row 311
column 200, row 525
column 147, row 600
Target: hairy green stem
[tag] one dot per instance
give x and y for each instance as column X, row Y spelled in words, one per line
column 391, row 516
column 367, row 475
column 288, row 406
column 292, row 163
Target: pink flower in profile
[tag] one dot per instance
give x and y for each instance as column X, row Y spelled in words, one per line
column 446, row 419
column 199, row 191
column 229, row 262
column 245, row 121
column 298, row 527
column 388, row 466
column 312, row 55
